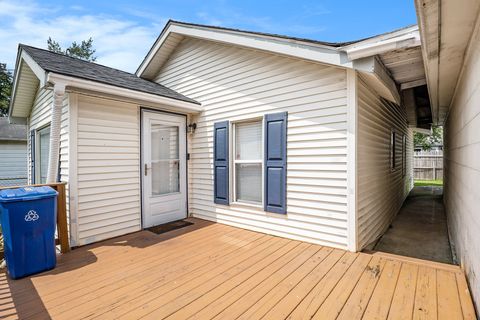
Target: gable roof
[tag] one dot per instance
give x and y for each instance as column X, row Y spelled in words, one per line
column 332, row 53
column 74, row 67
column 12, row 132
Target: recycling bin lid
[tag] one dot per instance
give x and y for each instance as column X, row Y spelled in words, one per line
column 27, row 193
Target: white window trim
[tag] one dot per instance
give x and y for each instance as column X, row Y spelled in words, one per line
column 393, row 151
column 234, row 161
column 38, row 161
column 404, row 155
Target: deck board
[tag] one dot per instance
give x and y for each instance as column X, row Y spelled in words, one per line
column 214, row 271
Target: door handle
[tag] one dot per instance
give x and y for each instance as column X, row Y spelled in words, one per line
column 145, row 169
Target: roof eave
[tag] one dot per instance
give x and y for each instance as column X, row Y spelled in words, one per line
column 289, row 47
column 72, row 82
column 446, row 39
column 401, row 39
column 23, row 57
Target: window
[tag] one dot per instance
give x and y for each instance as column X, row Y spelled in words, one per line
column 165, row 159
column 42, row 150
column 248, row 162
column 392, row 150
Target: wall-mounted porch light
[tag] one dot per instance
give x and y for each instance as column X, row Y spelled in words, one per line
column 191, row 128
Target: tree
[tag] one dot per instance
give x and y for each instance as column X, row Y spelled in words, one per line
column 6, row 81
column 427, row 141
column 82, row 51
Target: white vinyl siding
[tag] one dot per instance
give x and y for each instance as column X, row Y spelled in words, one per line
column 108, row 169
column 40, row 116
column 238, row 84
column 462, row 167
column 381, row 190
column 13, row 163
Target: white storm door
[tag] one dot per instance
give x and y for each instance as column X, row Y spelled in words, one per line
column 163, row 168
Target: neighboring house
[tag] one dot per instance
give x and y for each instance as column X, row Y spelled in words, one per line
column 13, row 154
column 292, row 137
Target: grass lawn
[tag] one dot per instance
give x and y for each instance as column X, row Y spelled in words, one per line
column 424, row 183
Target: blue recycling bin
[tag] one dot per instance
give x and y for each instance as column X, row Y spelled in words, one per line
column 28, row 217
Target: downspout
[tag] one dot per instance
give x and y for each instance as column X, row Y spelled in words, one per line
column 55, row 127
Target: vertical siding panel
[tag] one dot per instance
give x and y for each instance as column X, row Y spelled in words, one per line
column 381, row 191
column 237, row 84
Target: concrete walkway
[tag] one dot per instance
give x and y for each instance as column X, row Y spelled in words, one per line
column 420, row 228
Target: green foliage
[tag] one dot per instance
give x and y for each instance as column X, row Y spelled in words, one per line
column 83, row 51
column 427, row 141
column 6, row 81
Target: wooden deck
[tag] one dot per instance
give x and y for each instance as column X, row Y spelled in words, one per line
column 213, row 271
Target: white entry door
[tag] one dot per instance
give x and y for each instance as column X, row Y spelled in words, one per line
column 163, row 168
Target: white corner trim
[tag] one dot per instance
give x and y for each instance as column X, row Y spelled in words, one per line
column 352, row 111
column 128, row 93
column 72, row 167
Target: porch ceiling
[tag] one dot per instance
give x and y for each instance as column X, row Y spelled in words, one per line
column 406, row 67
column 210, row 270
column 446, row 29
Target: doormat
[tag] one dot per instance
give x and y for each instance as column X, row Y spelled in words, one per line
column 169, row 226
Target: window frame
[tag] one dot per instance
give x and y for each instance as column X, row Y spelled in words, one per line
column 38, row 159
column 404, row 155
column 234, row 162
column 393, row 146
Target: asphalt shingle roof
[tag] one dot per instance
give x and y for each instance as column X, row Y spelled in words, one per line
column 74, row 67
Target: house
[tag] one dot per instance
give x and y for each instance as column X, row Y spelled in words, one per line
column 13, row 153
column 292, row 137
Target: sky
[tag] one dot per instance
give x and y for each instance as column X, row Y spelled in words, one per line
column 124, row 30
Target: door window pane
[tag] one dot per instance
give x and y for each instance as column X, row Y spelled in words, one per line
column 43, row 150
column 248, row 143
column 165, row 159
column 249, row 182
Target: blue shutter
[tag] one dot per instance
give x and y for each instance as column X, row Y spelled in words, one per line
column 220, row 163
column 275, row 163
column 32, row 156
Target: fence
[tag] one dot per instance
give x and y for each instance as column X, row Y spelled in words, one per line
column 428, row 165
column 13, row 181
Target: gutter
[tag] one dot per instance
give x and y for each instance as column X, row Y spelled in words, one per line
column 61, row 82
column 369, row 48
